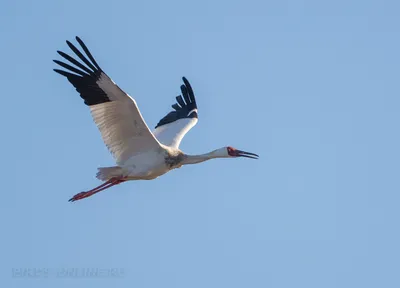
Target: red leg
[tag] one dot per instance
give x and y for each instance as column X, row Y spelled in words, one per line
column 105, row 185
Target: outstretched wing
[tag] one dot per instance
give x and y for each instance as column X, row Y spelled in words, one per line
column 173, row 127
column 115, row 113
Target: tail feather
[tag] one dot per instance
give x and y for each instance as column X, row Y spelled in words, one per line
column 106, row 173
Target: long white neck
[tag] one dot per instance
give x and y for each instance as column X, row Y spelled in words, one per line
column 193, row 159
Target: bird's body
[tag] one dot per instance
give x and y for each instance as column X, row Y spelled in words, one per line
column 140, row 154
column 145, row 166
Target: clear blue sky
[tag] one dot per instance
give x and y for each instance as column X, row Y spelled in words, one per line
column 311, row 86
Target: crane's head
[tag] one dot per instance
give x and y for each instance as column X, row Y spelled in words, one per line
column 230, row 152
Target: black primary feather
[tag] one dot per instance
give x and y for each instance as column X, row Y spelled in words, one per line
column 182, row 107
column 84, row 80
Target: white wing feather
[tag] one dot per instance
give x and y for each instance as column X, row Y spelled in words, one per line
column 172, row 134
column 116, row 114
column 121, row 124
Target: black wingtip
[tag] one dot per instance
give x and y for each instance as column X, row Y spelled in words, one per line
column 62, row 72
column 70, row 45
column 77, row 39
column 181, row 108
column 184, row 79
column 84, row 47
column 189, row 90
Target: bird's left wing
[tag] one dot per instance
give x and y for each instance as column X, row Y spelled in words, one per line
column 173, row 127
column 115, row 113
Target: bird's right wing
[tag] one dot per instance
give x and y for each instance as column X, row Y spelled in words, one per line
column 115, row 113
column 173, row 127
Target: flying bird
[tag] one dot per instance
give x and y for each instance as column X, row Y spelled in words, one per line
column 140, row 154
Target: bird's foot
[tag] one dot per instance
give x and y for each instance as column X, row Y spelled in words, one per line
column 105, row 185
column 80, row 196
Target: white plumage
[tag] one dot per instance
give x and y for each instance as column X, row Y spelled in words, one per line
column 123, row 130
column 138, row 152
column 171, row 134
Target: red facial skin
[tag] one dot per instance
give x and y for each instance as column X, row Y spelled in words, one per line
column 231, row 151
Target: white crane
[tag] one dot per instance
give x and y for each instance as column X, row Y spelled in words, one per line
column 138, row 152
